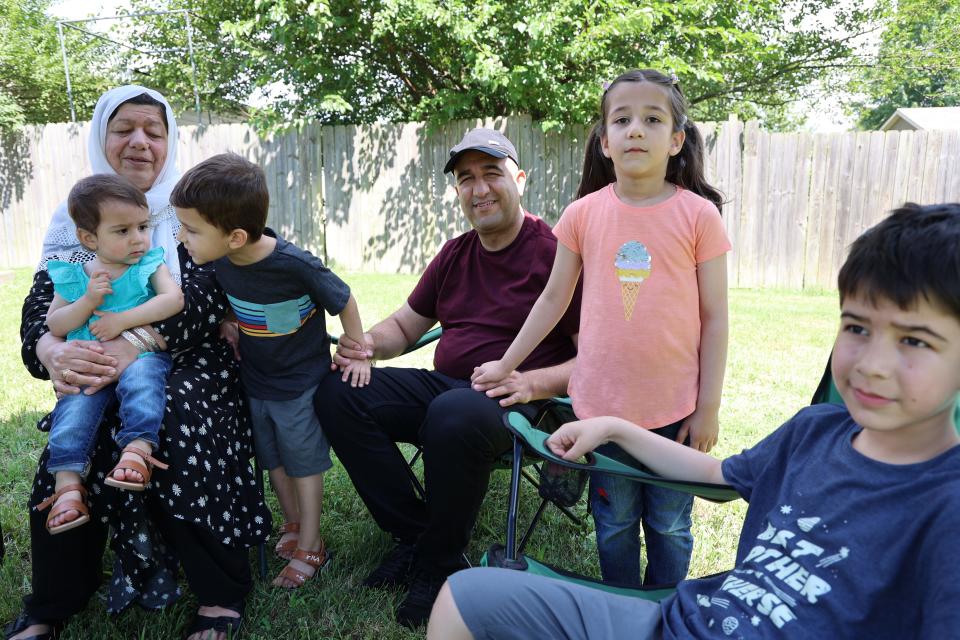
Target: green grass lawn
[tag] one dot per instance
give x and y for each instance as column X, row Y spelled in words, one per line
column 779, row 342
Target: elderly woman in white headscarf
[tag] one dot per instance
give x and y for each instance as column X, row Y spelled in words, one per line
column 205, row 510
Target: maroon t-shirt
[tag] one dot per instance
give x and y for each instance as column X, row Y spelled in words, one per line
column 482, row 298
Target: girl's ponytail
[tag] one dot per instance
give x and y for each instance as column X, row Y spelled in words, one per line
column 597, row 168
column 686, row 168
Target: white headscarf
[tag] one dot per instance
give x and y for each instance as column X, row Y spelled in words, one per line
column 61, row 243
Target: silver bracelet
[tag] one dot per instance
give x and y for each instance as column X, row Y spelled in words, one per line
column 147, row 338
column 135, row 341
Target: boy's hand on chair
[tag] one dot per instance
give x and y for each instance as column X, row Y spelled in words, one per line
column 107, row 326
column 576, row 439
column 493, row 371
column 359, row 373
column 703, row 427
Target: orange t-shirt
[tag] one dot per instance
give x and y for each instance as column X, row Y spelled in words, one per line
column 639, row 351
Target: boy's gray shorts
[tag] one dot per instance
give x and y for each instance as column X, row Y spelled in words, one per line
column 513, row 605
column 286, row 433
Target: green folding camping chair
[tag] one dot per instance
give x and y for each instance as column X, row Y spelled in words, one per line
column 528, row 438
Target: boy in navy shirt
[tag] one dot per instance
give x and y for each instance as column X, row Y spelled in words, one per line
column 854, row 510
column 278, row 294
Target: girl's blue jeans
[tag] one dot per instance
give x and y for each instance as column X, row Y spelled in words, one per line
column 620, row 506
column 142, row 393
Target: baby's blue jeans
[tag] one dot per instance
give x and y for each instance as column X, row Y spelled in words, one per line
column 142, row 391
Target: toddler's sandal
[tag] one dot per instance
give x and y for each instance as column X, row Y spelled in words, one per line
column 62, row 506
column 133, row 465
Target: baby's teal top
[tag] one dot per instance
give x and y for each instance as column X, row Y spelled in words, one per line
column 130, row 290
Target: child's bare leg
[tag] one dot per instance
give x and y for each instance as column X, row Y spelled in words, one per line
column 309, row 492
column 62, row 479
column 129, row 475
column 286, row 492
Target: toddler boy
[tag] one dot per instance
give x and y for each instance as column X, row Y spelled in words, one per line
column 278, row 293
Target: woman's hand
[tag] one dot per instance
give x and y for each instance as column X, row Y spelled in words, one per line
column 230, row 333
column 76, row 363
column 123, row 353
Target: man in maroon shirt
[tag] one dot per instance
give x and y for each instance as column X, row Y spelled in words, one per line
column 480, row 288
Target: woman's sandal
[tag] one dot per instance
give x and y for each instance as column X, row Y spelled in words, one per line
column 231, row 627
column 80, row 506
column 133, row 465
column 25, row 620
column 316, row 559
column 287, row 548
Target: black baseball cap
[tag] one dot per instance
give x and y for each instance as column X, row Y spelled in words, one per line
column 488, row 141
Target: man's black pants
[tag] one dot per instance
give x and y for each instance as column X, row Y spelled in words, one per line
column 462, row 436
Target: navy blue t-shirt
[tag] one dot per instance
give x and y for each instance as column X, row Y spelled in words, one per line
column 279, row 303
column 834, row 545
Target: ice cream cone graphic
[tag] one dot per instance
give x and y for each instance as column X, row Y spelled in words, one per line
column 633, row 264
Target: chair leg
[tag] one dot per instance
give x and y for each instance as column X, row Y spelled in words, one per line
column 262, row 547
column 516, row 468
column 414, row 480
column 532, row 526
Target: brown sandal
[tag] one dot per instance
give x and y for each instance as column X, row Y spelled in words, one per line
column 80, row 506
column 316, row 559
column 133, row 465
column 286, row 549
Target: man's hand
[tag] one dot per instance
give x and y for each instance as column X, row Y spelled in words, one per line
column 703, row 427
column 230, row 331
column 516, row 387
column 492, row 371
column 106, row 326
column 98, row 288
column 349, row 350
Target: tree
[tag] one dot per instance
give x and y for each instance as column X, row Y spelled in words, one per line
column 33, row 87
column 917, row 63
column 353, row 61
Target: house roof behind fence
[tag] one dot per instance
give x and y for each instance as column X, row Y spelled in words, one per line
column 924, row 118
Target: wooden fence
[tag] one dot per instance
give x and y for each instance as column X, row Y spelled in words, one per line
column 373, row 197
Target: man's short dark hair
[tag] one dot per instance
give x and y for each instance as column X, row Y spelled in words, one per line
column 227, row 191
column 88, row 195
column 914, row 252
